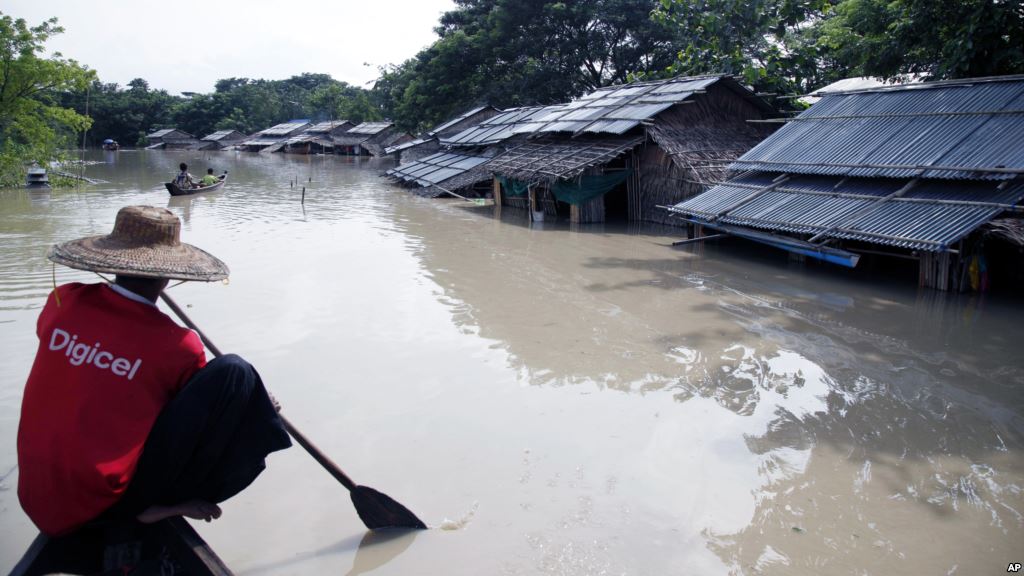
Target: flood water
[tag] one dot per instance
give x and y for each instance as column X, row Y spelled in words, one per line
column 555, row 401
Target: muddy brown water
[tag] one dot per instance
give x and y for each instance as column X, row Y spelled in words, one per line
column 561, row 401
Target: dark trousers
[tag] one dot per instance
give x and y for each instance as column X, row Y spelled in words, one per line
column 208, row 443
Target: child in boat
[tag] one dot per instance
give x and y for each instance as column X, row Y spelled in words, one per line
column 184, row 180
column 209, row 179
column 122, row 417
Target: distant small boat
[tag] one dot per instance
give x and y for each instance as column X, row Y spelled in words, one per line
column 109, row 144
column 170, row 546
column 175, row 191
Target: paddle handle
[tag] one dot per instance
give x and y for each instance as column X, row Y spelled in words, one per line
column 299, row 437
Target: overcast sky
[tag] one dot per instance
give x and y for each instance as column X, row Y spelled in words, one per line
column 187, row 45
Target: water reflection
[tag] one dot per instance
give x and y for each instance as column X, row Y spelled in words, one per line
column 613, row 404
column 371, row 551
column 863, row 401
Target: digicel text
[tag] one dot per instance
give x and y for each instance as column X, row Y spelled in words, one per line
column 79, row 353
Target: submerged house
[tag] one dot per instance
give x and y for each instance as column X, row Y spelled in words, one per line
column 273, row 138
column 317, row 139
column 429, row 143
column 369, row 139
column 622, row 151
column 457, row 166
column 220, row 140
column 169, row 138
column 917, row 171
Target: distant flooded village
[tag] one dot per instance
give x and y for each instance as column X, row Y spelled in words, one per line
column 631, row 287
column 926, row 173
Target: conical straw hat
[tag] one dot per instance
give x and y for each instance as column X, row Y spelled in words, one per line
column 146, row 242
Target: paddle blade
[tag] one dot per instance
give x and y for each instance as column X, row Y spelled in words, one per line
column 379, row 510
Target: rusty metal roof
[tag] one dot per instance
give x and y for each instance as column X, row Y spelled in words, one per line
column 966, row 129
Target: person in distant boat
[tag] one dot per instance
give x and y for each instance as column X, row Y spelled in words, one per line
column 122, row 418
column 184, row 180
column 209, row 179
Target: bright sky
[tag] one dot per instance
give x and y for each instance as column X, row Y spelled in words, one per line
column 161, row 42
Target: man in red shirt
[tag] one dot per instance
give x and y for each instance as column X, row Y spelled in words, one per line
column 122, row 416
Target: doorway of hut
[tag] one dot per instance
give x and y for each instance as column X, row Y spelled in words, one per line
column 616, row 205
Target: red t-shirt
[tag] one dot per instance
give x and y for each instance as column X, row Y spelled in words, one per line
column 105, row 367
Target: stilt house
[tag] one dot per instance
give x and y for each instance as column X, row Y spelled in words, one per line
column 621, row 151
column 910, row 171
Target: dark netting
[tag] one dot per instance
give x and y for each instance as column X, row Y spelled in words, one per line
column 513, row 187
column 585, row 188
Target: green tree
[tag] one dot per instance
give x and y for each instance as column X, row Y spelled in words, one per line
column 800, row 45
column 771, row 44
column 521, row 52
column 33, row 127
column 952, row 39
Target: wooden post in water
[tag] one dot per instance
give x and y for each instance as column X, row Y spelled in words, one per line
column 303, row 195
column 496, row 187
column 497, row 191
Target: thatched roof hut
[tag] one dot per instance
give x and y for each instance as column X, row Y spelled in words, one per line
column 621, row 151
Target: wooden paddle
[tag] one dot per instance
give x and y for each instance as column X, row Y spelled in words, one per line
column 376, row 509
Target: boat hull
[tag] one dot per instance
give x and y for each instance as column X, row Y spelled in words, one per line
column 175, row 191
column 170, row 546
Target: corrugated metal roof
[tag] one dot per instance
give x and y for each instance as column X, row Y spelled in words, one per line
column 370, row 128
column 323, row 127
column 618, row 109
column 931, row 216
column 437, row 168
column 406, row 145
column 457, row 119
column 609, row 110
column 222, row 134
column 284, row 129
column 260, row 142
column 166, row 131
column 900, row 131
column 495, row 129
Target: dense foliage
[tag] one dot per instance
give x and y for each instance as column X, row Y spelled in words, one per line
column 32, row 125
column 799, row 45
column 516, row 52
column 522, row 52
column 128, row 114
